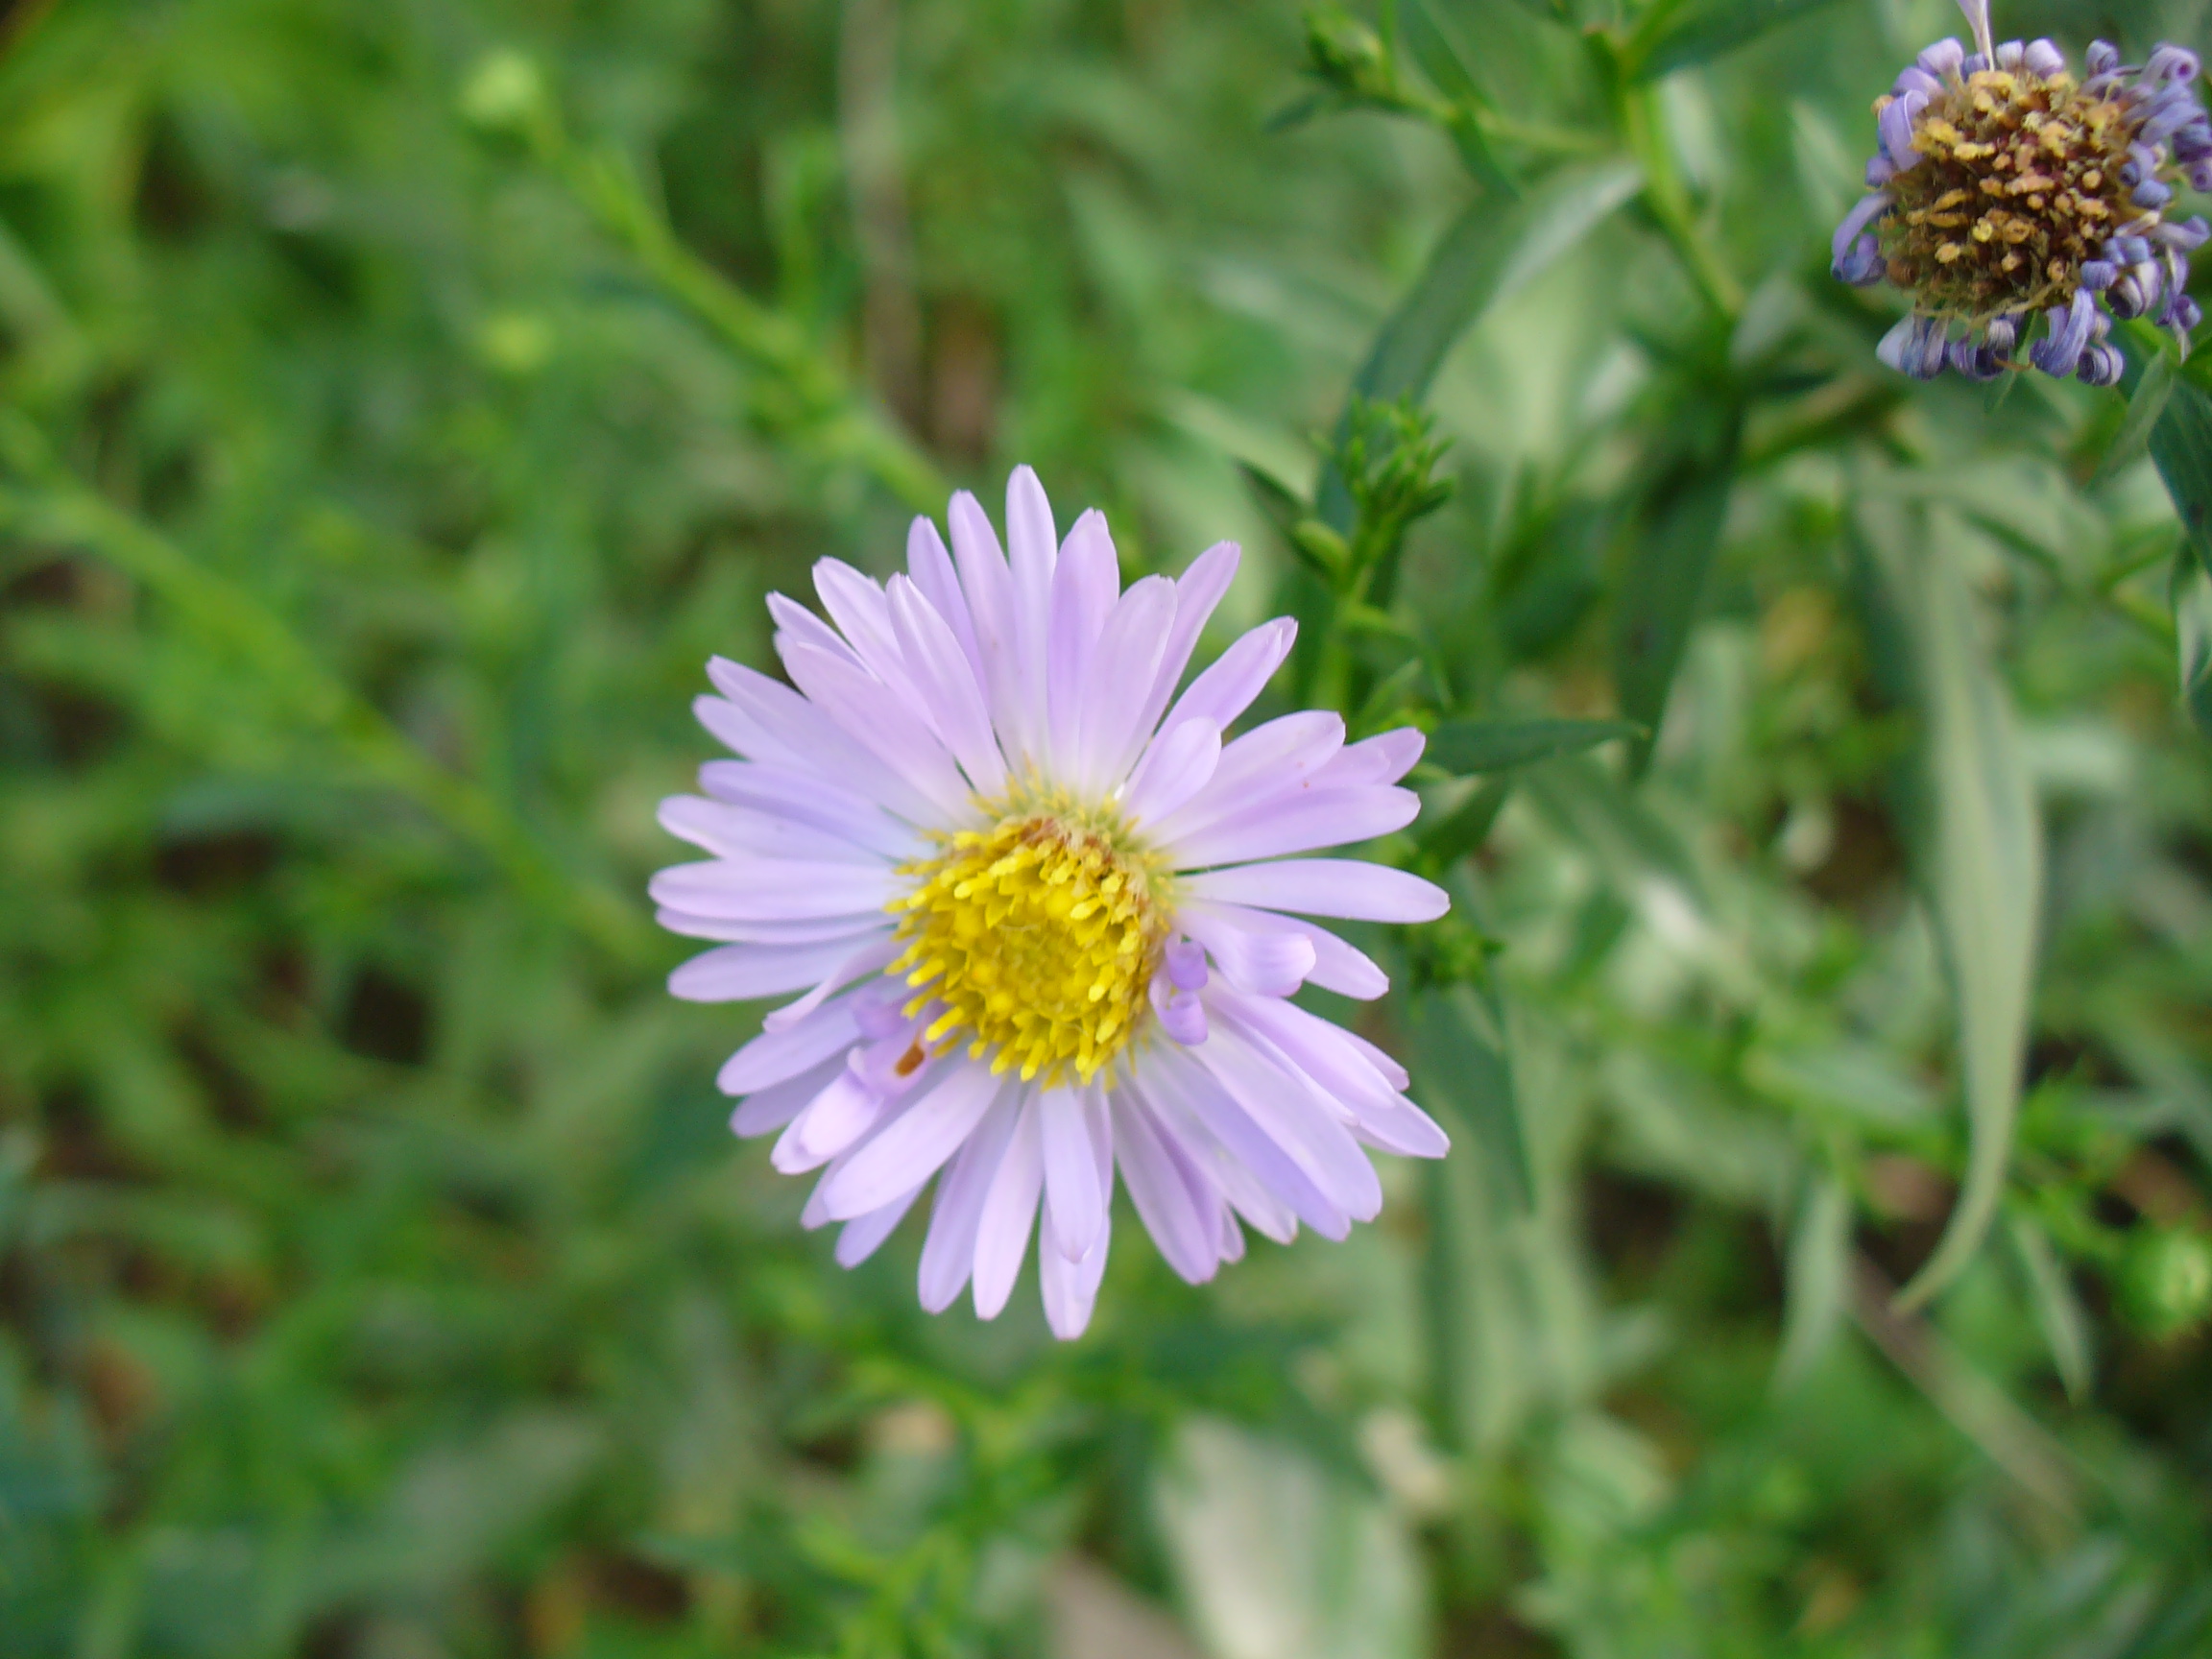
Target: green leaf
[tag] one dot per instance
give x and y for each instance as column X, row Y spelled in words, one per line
column 1274, row 1554
column 2181, row 446
column 1458, row 833
column 2193, row 636
column 1664, row 588
column 1446, row 66
column 1490, row 251
column 1463, row 1073
column 1677, row 37
column 1439, row 55
column 2058, row 1311
column 2154, row 390
column 1974, row 835
column 1465, row 748
column 1818, row 1278
column 1633, row 845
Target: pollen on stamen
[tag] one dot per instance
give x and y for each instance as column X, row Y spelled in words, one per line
column 1036, row 937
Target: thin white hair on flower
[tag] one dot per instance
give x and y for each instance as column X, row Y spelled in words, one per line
column 1044, row 915
column 1977, row 20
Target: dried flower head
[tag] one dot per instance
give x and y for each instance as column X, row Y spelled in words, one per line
column 2004, row 189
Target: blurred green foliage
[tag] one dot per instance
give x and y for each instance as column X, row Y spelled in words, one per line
column 400, row 401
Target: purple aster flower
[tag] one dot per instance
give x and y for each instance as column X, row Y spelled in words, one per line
column 1046, row 916
column 2004, row 190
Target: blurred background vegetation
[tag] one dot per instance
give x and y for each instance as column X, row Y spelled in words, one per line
column 400, row 399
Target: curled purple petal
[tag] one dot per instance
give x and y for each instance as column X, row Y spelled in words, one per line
column 1915, row 347
column 1185, row 964
column 1974, row 360
column 2044, row 58
column 2168, row 117
column 2173, row 64
column 2057, row 352
column 1856, row 258
column 1942, row 60
column 2100, row 365
column 1895, row 125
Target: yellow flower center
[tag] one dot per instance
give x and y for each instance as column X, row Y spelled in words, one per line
column 1037, row 935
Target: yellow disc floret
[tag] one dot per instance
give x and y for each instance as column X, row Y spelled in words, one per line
column 1037, row 935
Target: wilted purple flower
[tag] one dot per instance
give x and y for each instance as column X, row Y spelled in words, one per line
column 1036, row 906
column 2003, row 189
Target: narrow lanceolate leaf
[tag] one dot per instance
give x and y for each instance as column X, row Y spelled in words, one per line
column 2154, row 391
column 2181, row 446
column 1489, row 251
column 1467, row 748
column 1447, row 839
column 1974, row 839
column 1820, row 1280
column 1664, row 588
column 1463, row 1073
column 2193, row 638
column 1442, row 61
column 2058, row 1311
column 1681, row 36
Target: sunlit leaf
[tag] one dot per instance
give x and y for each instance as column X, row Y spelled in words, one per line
column 2146, row 407
column 1679, row 36
column 1820, row 1280
column 1445, row 839
column 1976, row 838
column 1490, row 251
column 1275, row 1558
column 1640, row 852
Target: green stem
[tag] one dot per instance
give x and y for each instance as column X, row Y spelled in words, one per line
column 227, row 615
column 1668, row 202
column 844, row 426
